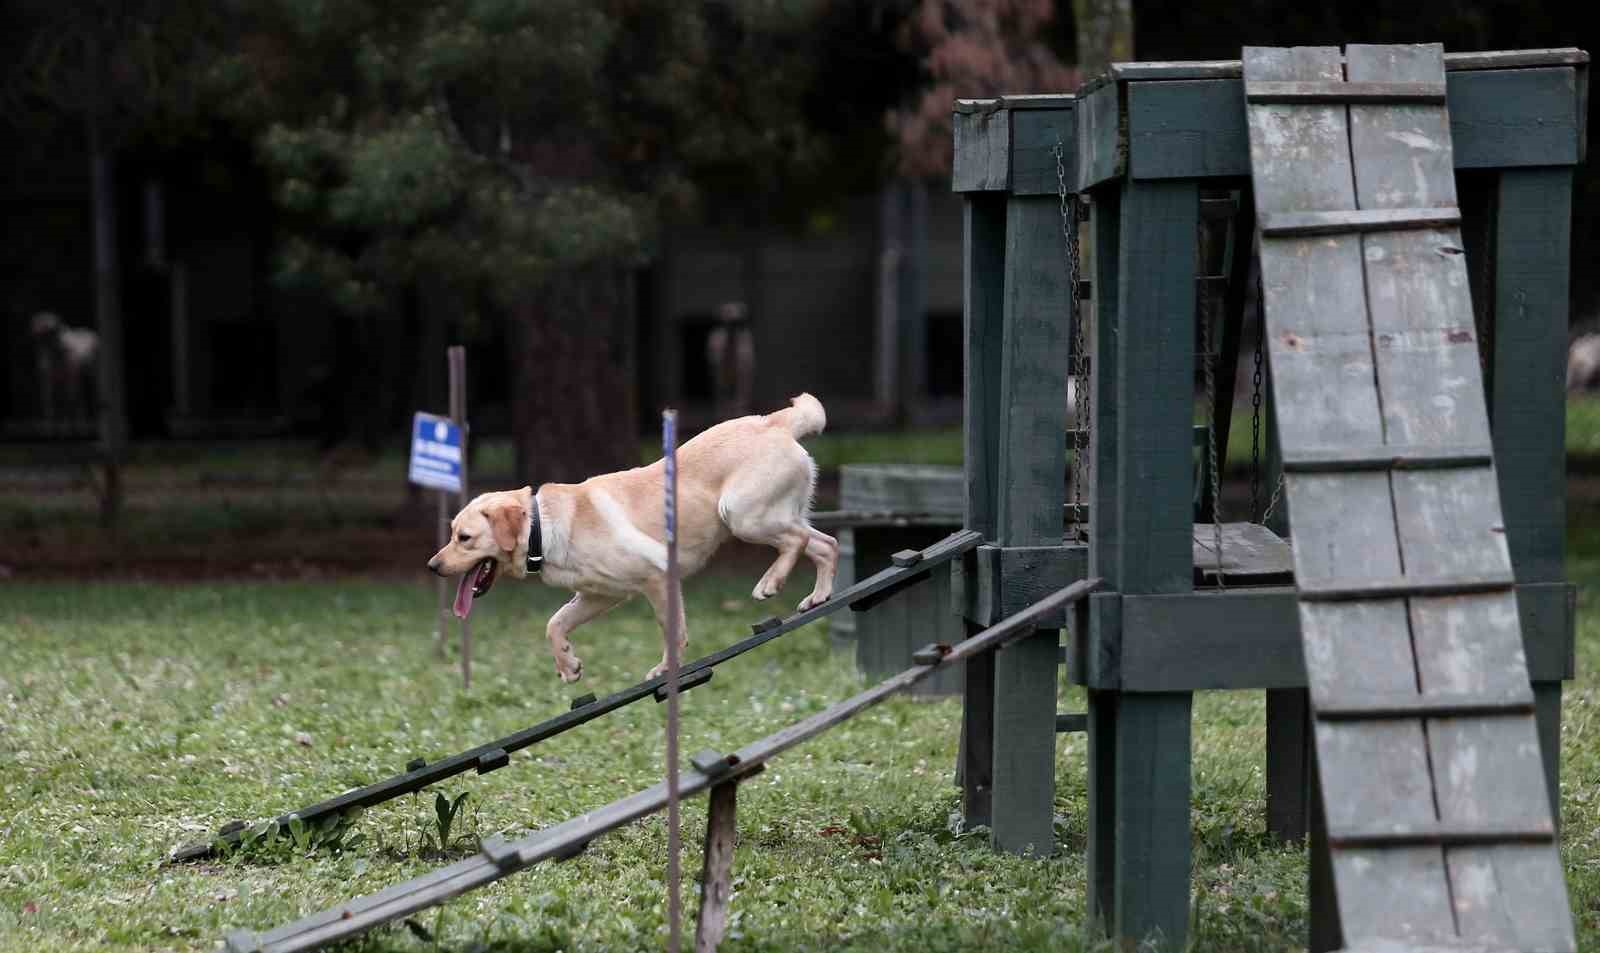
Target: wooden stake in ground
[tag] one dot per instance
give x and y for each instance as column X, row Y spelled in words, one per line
column 669, row 441
column 457, row 359
column 717, row 880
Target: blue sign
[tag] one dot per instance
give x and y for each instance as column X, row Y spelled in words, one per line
column 436, row 453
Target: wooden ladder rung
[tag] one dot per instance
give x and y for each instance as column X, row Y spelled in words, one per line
column 1385, row 457
column 1440, row 705
column 1303, row 92
column 1336, row 589
column 1291, row 224
column 1443, row 834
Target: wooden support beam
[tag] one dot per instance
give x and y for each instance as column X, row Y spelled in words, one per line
column 716, row 876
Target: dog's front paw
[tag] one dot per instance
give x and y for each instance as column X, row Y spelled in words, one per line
column 815, row 599
column 570, row 669
column 763, row 590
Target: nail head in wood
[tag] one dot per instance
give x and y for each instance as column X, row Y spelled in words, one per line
column 906, row 557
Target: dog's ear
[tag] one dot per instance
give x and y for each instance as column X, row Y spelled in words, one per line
column 505, row 521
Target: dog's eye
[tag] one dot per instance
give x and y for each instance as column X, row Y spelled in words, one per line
column 463, row 538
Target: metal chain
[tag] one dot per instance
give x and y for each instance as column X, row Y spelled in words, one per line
column 1080, row 358
column 1209, row 357
column 1272, row 504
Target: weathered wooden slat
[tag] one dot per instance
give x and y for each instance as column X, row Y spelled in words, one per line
column 1442, row 834
column 716, row 874
column 1184, row 130
column 1232, row 69
column 1290, row 224
column 982, row 312
column 1433, row 705
column 1102, row 151
column 1288, row 774
column 1349, row 588
column 1385, row 457
column 1337, row 91
column 1517, row 118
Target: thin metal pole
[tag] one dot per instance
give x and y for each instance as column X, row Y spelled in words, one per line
column 669, row 442
column 457, row 359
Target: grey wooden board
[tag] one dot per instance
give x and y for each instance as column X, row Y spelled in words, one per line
column 1359, row 220
column 1153, row 839
column 1007, row 579
column 1103, row 244
column 1484, row 769
column 1038, row 123
column 982, row 159
column 1322, row 378
column 1350, row 93
column 1249, row 550
column 937, row 491
column 1453, row 62
column 1429, row 390
column 1023, row 798
column 1499, row 119
column 1249, row 638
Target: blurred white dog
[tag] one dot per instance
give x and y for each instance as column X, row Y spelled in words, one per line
column 65, row 357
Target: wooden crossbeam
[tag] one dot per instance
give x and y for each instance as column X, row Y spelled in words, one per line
column 1366, row 93
column 1287, row 224
column 1385, row 457
column 1439, row 705
column 1345, row 589
column 1443, row 834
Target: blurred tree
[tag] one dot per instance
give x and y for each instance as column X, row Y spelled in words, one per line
column 972, row 49
column 1105, row 34
column 519, row 155
column 127, row 72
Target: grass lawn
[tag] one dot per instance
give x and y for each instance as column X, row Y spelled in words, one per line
column 134, row 717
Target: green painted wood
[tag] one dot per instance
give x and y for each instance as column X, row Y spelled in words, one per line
column 983, row 306
column 1249, row 638
column 1033, row 375
column 1100, row 849
column 1195, row 128
column 1102, row 245
column 1037, row 124
column 1102, row 155
column 1009, row 579
column 975, row 770
column 982, row 161
column 1031, row 478
column 1509, row 118
column 1154, row 367
column 1531, row 266
column 1185, row 130
column 1547, row 712
column 1153, row 853
column 1288, row 764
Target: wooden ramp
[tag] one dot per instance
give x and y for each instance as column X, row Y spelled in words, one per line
column 1436, row 826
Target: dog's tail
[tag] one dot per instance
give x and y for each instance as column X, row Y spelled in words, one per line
column 804, row 418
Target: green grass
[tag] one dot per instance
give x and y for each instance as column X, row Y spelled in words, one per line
column 136, row 717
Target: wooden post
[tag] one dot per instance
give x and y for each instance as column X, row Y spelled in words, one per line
column 457, row 359
column 984, row 228
column 1531, row 276
column 1154, row 369
column 722, row 836
column 669, row 440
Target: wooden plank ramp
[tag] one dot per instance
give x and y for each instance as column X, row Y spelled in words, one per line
column 1438, row 826
column 500, row 858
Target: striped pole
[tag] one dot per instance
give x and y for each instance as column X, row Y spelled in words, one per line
column 669, row 442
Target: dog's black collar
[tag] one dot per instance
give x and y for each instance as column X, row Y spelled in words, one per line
column 535, row 539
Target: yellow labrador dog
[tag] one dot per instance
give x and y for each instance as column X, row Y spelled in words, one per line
column 605, row 538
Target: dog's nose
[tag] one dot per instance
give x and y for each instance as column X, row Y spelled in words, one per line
column 433, row 565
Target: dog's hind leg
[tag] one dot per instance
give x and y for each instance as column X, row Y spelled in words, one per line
column 823, row 551
column 656, row 592
column 579, row 609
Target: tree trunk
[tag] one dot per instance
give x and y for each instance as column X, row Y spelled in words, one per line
column 111, row 391
column 1105, row 34
column 572, row 407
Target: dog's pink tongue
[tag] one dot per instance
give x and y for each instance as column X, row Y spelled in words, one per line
column 463, row 604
